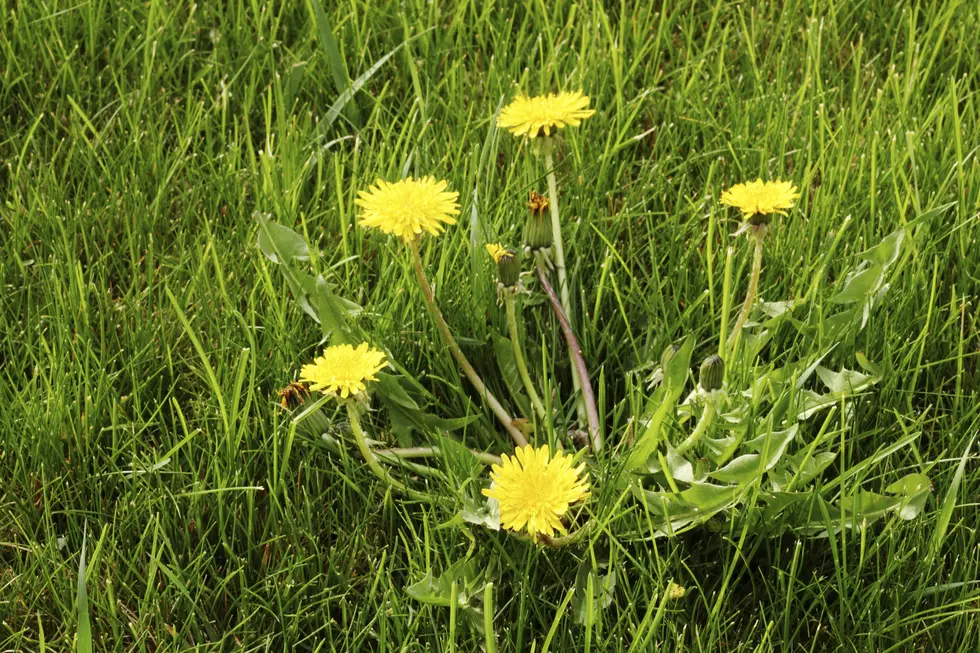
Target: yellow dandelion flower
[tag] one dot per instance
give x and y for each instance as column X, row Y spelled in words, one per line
column 496, row 251
column 408, row 207
column 534, row 490
column 342, row 370
column 761, row 197
column 544, row 114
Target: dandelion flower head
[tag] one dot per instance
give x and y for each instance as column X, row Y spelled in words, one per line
column 496, row 251
column 761, row 197
column 342, row 370
column 545, row 114
column 534, row 490
column 409, row 207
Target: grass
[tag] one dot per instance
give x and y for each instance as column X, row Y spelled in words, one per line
column 143, row 338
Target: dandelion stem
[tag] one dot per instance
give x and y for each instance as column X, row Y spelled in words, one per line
column 410, row 453
column 505, row 419
column 565, row 540
column 369, row 457
column 409, row 466
column 489, row 636
column 519, row 355
column 726, row 304
column 758, row 235
column 699, row 430
column 559, row 247
column 549, row 164
column 575, row 352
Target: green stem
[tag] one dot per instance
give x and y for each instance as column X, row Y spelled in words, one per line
column 519, row 355
column 410, row 453
column 556, row 231
column 505, row 419
column 750, row 296
column 565, row 540
column 559, row 247
column 702, row 426
column 385, row 456
column 489, row 636
column 578, row 361
column 726, row 304
column 369, row 457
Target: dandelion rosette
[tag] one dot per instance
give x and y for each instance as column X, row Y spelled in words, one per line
column 409, row 207
column 534, row 490
column 342, row 370
column 761, row 198
column 545, row 114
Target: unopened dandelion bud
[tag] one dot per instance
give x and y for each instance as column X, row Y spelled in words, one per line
column 712, row 373
column 509, row 268
column 668, row 355
column 508, row 264
column 538, row 233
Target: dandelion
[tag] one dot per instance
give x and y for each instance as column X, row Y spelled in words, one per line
column 508, row 265
column 342, row 370
column 539, row 230
column 545, row 114
column 539, row 118
column 534, row 490
column 758, row 199
column 496, row 251
column 293, row 395
column 509, row 275
column 712, row 374
column 711, row 378
column 409, row 207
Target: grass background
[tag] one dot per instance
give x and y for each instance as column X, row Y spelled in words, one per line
column 138, row 138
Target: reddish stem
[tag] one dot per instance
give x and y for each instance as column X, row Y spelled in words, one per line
column 575, row 351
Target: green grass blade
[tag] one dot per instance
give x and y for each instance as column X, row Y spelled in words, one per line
column 338, row 65
column 949, row 504
column 84, row 642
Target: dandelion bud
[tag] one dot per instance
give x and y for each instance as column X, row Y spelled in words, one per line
column 668, row 354
column 508, row 264
column 538, row 204
column 712, row 373
column 538, row 234
column 509, row 268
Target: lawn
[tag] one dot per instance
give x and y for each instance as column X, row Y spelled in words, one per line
column 158, row 493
